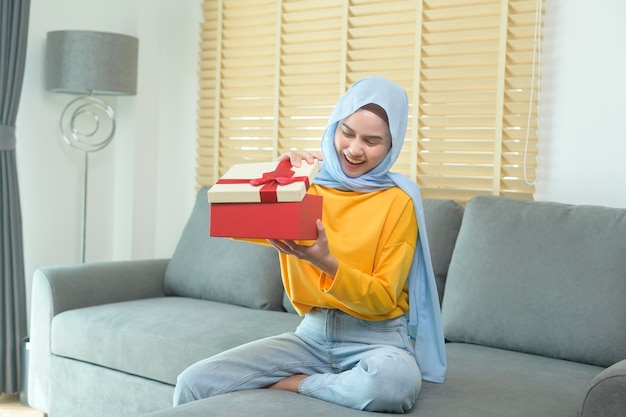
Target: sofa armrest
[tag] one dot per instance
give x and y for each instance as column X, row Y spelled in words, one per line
column 606, row 394
column 56, row 289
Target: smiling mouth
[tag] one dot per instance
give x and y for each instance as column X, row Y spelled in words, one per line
column 352, row 161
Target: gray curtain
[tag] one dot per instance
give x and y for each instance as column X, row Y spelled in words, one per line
column 13, row 34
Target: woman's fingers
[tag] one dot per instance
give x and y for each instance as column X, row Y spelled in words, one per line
column 296, row 157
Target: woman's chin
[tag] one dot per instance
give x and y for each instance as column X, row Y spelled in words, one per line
column 353, row 170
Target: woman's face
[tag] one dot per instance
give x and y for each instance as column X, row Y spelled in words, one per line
column 361, row 140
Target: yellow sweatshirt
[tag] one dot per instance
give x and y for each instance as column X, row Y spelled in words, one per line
column 373, row 237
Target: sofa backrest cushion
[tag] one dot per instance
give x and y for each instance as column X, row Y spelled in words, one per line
column 220, row 269
column 538, row 277
column 443, row 220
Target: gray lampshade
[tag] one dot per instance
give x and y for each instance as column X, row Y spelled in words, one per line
column 87, row 62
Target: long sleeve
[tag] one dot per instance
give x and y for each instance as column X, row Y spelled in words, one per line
column 373, row 237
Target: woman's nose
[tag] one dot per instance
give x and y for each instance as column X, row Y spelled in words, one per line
column 356, row 147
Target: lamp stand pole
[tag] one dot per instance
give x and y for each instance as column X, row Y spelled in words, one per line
column 88, row 125
column 84, row 217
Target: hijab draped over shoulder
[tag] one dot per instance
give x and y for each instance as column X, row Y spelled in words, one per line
column 424, row 314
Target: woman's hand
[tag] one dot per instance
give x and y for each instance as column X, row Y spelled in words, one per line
column 296, row 157
column 317, row 254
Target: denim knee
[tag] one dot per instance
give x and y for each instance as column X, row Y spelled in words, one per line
column 390, row 388
column 191, row 385
column 384, row 382
column 183, row 392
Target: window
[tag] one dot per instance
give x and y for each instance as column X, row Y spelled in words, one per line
column 271, row 72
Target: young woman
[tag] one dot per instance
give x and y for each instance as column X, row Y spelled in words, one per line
column 372, row 327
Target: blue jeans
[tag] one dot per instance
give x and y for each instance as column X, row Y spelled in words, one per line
column 365, row 365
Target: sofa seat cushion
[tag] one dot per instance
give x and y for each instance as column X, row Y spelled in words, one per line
column 481, row 382
column 490, row 382
column 157, row 338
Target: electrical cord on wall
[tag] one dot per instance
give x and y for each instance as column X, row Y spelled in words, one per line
column 535, row 64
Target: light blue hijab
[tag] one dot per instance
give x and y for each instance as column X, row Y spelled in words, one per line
column 424, row 314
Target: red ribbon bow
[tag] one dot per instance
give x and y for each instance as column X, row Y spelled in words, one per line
column 270, row 181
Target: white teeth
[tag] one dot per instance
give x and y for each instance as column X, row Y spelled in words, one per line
column 352, row 161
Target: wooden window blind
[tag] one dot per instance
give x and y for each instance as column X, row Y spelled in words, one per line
column 271, row 72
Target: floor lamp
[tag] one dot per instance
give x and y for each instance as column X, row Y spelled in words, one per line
column 90, row 63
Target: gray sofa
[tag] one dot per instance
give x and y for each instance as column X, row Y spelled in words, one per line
column 533, row 303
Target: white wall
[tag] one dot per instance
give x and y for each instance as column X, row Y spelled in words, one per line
column 582, row 112
column 141, row 187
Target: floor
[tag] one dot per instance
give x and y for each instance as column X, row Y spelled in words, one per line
column 10, row 407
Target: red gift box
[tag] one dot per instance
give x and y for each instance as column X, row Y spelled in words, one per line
column 286, row 221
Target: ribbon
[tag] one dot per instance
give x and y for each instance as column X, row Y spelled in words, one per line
column 282, row 175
